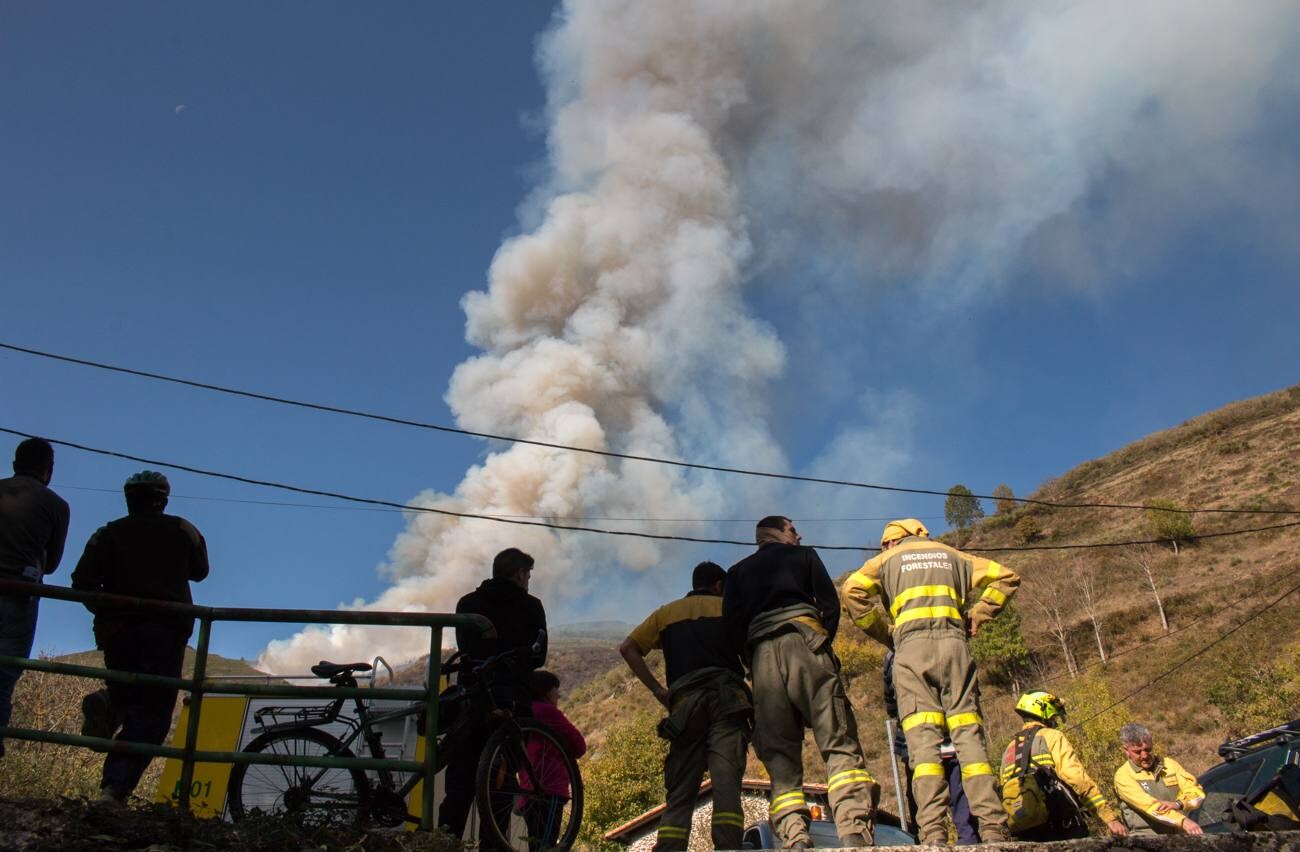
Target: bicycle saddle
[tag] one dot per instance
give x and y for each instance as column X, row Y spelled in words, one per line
column 328, row 669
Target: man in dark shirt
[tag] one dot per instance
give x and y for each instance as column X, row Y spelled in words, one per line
column 781, row 606
column 146, row 554
column 33, row 527
column 520, row 622
column 708, row 708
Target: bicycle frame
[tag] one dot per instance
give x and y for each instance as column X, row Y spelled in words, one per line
column 361, row 726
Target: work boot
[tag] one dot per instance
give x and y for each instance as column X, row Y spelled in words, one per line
column 97, row 715
column 856, row 840
column 109, row 796
column 994, row 835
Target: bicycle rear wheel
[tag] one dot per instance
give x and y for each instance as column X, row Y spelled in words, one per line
column 528, row 790
column 312, row 794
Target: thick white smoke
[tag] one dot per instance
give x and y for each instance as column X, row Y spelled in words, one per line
column 696, row 144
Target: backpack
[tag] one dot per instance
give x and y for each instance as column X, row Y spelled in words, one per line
column 1024, row 797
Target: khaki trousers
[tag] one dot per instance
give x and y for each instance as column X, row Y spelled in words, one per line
column 796, row 686
column 934, row 677
column 708, row 728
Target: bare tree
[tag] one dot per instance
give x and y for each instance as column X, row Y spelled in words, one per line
column 1142, row 558
column 1054, row 603
column 1085, row 579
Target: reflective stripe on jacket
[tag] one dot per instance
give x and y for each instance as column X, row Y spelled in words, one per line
column 924, row 584
column 1051, row 749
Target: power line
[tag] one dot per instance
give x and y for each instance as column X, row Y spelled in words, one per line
column 1140, row 645
column 438, row 427
column 546, row 524
column 1166, row 673
column 210, row 499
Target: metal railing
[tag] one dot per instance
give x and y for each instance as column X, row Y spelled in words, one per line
column 199, row 684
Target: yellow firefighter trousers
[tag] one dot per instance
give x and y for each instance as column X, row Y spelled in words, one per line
column 795, row 686
column 934, row 677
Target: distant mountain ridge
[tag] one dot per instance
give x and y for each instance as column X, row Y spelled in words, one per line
column 592, row 630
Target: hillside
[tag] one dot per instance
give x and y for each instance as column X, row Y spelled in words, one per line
column 218, row 666
column 52, row 702
column 1246, row 454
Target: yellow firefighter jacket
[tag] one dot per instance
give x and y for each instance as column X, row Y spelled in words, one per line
column 1140, row 791
column 926, row 584
column 1050, row 748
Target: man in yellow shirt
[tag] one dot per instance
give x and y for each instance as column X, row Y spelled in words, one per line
column 1048, row 748
column 1155, row 793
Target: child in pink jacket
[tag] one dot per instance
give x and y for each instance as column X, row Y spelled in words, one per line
column 542, row 812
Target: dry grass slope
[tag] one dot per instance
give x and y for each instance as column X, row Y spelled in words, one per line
column 1246, row 454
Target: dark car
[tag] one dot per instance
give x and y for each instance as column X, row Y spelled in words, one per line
column 1248, row 765
column 824, row 836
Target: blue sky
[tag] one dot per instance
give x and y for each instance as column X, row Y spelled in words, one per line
column 294, row 199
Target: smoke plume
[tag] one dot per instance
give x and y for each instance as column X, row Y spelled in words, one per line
column 696, row 147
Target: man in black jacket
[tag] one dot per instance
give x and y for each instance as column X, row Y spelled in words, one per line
column 147, row 554
column 33, row 527
column 520, row 622
column 781, row 607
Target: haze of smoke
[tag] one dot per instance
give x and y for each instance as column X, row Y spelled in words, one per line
column 927, row 143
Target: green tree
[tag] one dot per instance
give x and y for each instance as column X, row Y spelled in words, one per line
column 1168, row 523
column 1000, row 650
column 1006, row 499
column 624, row 778
column 961, row 509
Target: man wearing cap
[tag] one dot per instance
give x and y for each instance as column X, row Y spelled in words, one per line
column 146, row 554
column 708, row 705
column 934, row 596
column 780, row 606
column 33, row 527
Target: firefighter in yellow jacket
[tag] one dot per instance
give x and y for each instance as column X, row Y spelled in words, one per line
column 1048, row 748
column 1155, row 793
column 935, row 595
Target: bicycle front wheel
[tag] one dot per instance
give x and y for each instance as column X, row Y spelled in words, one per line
column 528, row 790
column 311, row 794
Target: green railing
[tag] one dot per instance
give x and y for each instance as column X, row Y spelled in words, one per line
column 198, row 684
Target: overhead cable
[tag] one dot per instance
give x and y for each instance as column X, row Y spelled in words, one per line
column 1232, row 604
column 548, row 525
column 280, row 503
column 438, row 427
column 1167, row 672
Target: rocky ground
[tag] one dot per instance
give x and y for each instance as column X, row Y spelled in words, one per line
column 74, row 824
column 71, row 824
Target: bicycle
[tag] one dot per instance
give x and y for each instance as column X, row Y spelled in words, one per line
column 521, row 771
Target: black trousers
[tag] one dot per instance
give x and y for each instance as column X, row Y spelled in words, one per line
column 145, row 711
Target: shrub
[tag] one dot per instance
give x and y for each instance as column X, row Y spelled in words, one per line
column 1097, row 739
column 1027, row 530
column 856, row 656
column 625, row 777
column 1253, row 696
column 51, row 702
